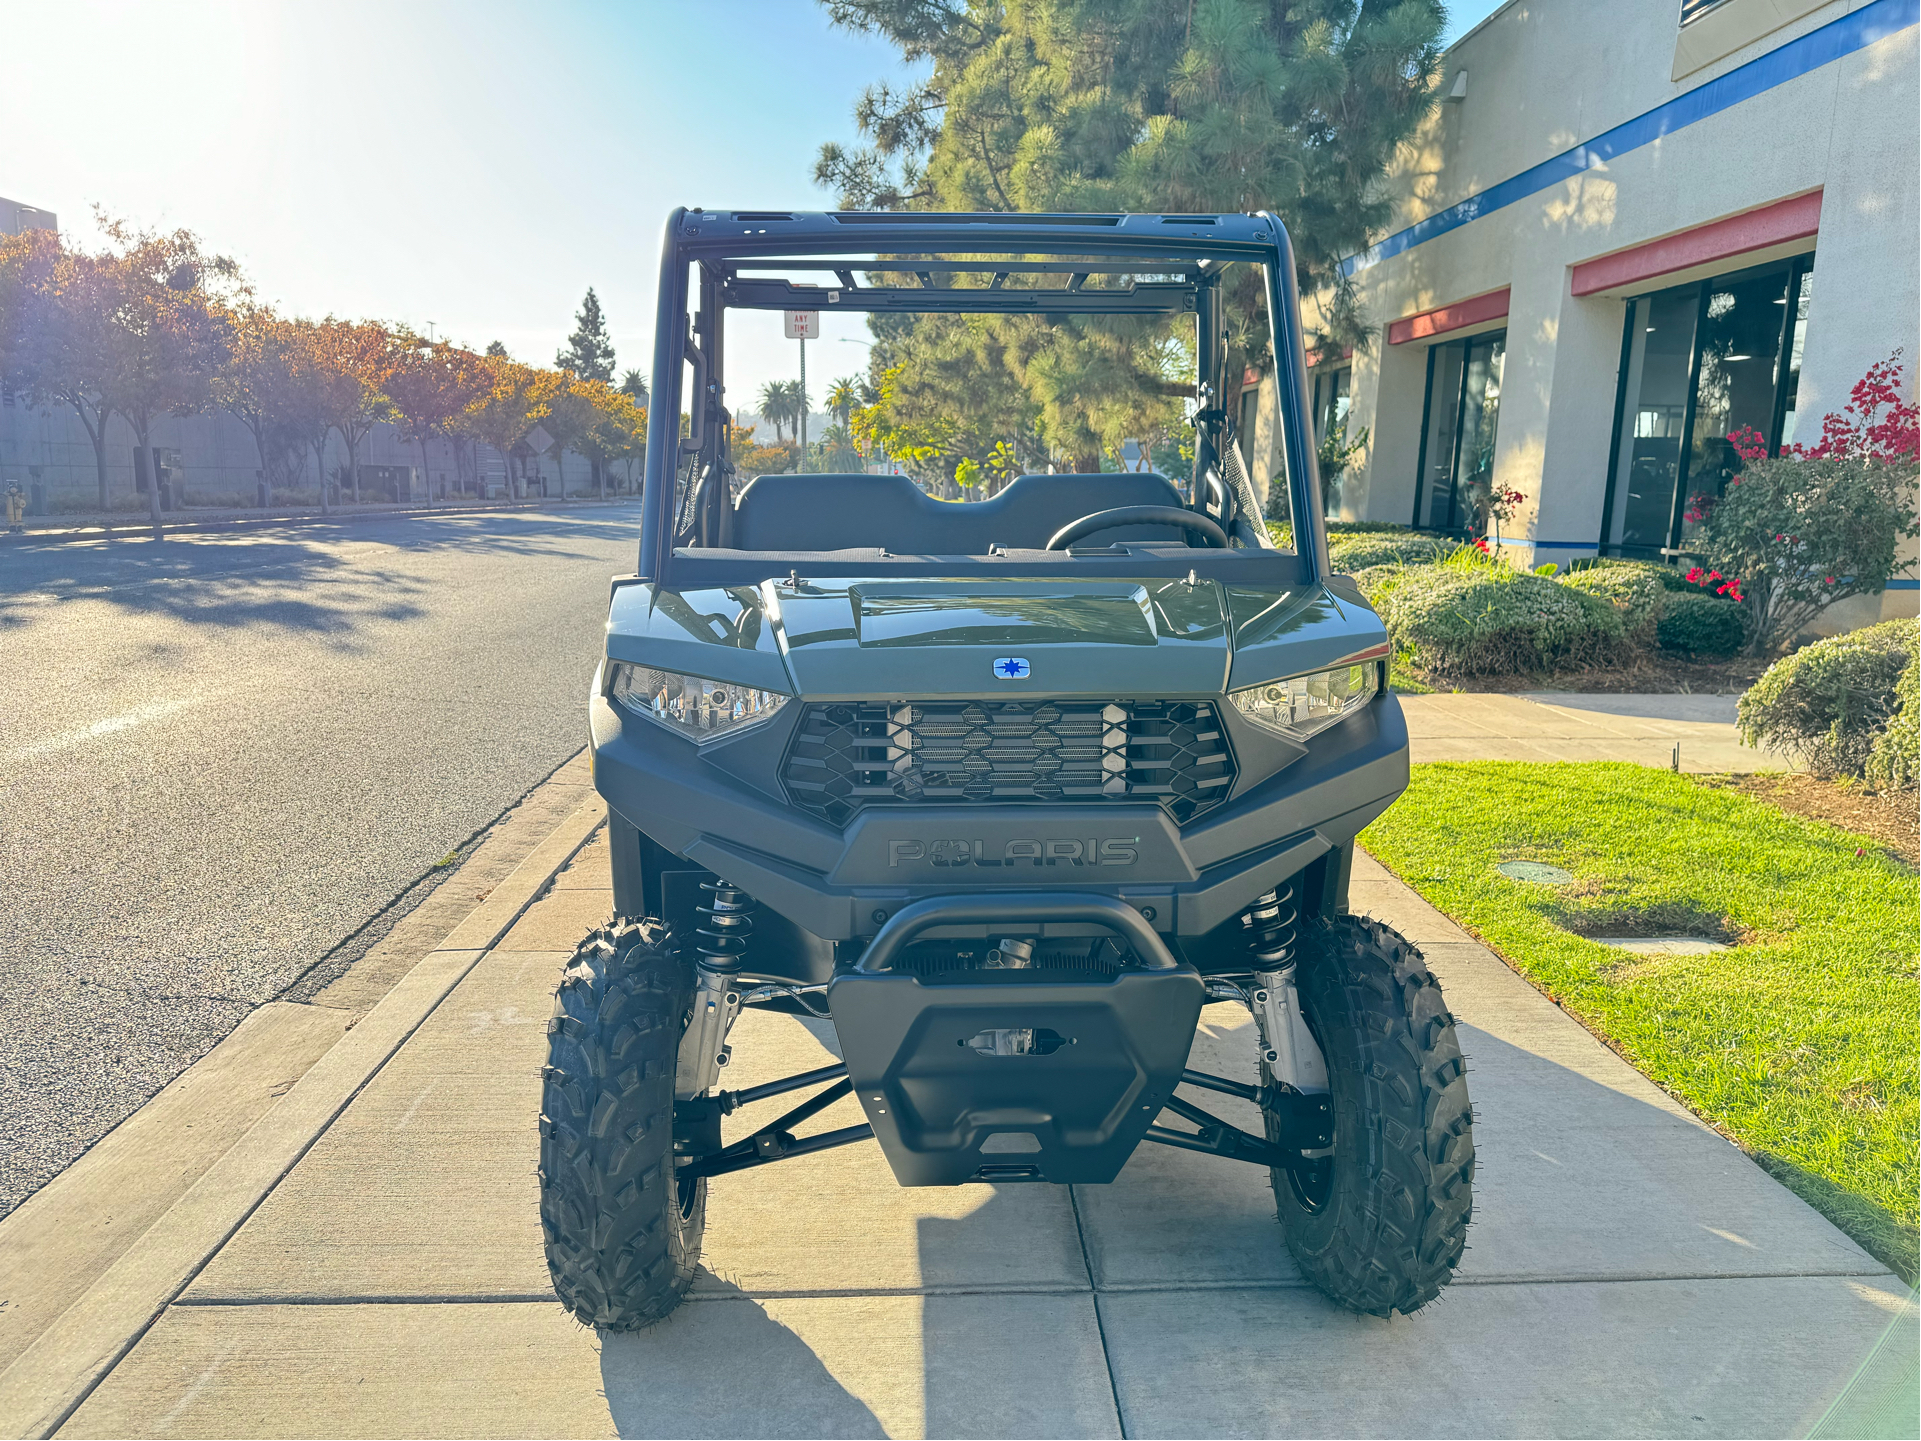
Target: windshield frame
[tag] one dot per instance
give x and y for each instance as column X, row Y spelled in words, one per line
column 700, row 245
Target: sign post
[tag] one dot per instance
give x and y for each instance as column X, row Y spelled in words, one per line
column 803, row 325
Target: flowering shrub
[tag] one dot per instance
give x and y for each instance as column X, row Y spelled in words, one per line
column 1795, row 533
column 1830, row 702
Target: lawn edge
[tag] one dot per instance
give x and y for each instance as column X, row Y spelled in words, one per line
column 1902, row 1262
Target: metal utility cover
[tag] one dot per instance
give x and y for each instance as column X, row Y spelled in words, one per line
column 1535, row 872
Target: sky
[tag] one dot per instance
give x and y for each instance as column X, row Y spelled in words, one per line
column 467, row 168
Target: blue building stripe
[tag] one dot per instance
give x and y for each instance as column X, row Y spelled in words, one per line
column 1787, row 62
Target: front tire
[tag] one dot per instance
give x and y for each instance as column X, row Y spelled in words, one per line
column 622, row 1233
column 1381, row 1222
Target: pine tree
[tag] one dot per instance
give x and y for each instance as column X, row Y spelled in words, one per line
column 1295, row 106
column 589, row 353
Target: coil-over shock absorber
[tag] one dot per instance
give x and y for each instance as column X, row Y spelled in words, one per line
column 1288, row 1049
column 720, row 943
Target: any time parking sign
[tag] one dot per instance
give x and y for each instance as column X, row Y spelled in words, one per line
column 803, row 324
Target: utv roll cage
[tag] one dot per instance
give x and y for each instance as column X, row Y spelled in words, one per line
column 1143, row 265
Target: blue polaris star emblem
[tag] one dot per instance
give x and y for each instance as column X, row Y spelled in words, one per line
column 1011, row 667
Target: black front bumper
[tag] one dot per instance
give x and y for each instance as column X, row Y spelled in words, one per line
column 948, row 1101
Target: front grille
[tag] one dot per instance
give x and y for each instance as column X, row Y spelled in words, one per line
column 846, row 755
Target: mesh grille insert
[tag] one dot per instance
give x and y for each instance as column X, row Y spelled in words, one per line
column 846, row 755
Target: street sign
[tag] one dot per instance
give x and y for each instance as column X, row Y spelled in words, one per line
column 803, row 324
column 538, row 440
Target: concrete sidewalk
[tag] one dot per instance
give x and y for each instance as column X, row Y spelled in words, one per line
column 1629, row 1272
column 1567, row 726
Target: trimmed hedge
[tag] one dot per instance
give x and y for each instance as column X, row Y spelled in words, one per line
column 1896, row 757
column 1637, row 596
column 1829, row 703
column 1470, row 619
column 1348, row 553
column 1699, row 625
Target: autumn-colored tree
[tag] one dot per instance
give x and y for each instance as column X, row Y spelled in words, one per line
column 167, row 332
column 257, row 386
column 358, row 358
column 509, row 404
column 431, row 386
column 56, row 306
column 615, row 428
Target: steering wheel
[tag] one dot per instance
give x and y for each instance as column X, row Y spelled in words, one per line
column 1192, row 521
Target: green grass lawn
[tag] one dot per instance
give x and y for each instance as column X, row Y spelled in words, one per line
column 1800, row 1041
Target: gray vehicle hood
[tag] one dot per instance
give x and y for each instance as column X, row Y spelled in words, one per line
column 844, row 639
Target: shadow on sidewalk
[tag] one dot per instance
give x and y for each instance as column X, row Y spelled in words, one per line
column 721, row 1366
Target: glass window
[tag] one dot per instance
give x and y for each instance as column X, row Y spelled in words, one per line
column 1700, row 361
column 1331, row 400
column 1457, row 448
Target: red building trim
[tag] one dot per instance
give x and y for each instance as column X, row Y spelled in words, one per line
column 1458, row 316
column 1774, row 224
column 1315, row 357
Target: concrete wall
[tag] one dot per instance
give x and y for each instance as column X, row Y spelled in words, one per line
column 218, row 457
column 1545, row 75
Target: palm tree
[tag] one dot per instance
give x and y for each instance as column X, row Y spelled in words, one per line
column 774, row 406
column 844, row 396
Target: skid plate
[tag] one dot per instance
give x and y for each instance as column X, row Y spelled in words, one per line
column 1092, row 1064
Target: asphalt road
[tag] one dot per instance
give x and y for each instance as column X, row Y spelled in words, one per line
column 221, row 754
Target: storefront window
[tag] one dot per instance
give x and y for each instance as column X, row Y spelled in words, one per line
column 1457, row 440
column 1331, row 399
column 1700, row 361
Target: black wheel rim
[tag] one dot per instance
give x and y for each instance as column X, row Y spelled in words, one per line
column 1312, row 1181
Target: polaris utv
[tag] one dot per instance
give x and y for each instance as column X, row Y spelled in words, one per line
column 1006, row 789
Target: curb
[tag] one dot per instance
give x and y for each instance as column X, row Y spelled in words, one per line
column 48, row 1381
column 299, row 517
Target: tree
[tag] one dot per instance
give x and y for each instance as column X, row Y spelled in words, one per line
column 589, row 353
column 508, row 405
column 615, row 428
column 843, row 396
column 1074, row 105
column 495, row 348
column 256, row 386
column 431, row 384
column 167, row 331
column 360, row 357
column 1795, row 533
column 776, row 406
column 633, row 385
column 56, row 308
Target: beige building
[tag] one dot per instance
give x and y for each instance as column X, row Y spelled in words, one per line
column 1629, row 229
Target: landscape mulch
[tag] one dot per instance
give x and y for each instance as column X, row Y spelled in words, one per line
column 1892, row 817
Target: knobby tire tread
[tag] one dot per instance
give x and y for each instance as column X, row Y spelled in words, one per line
column 1394, row 1227
column 620, row 1249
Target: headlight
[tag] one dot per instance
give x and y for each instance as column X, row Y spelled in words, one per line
column 1304, row 704
column 687, row 705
